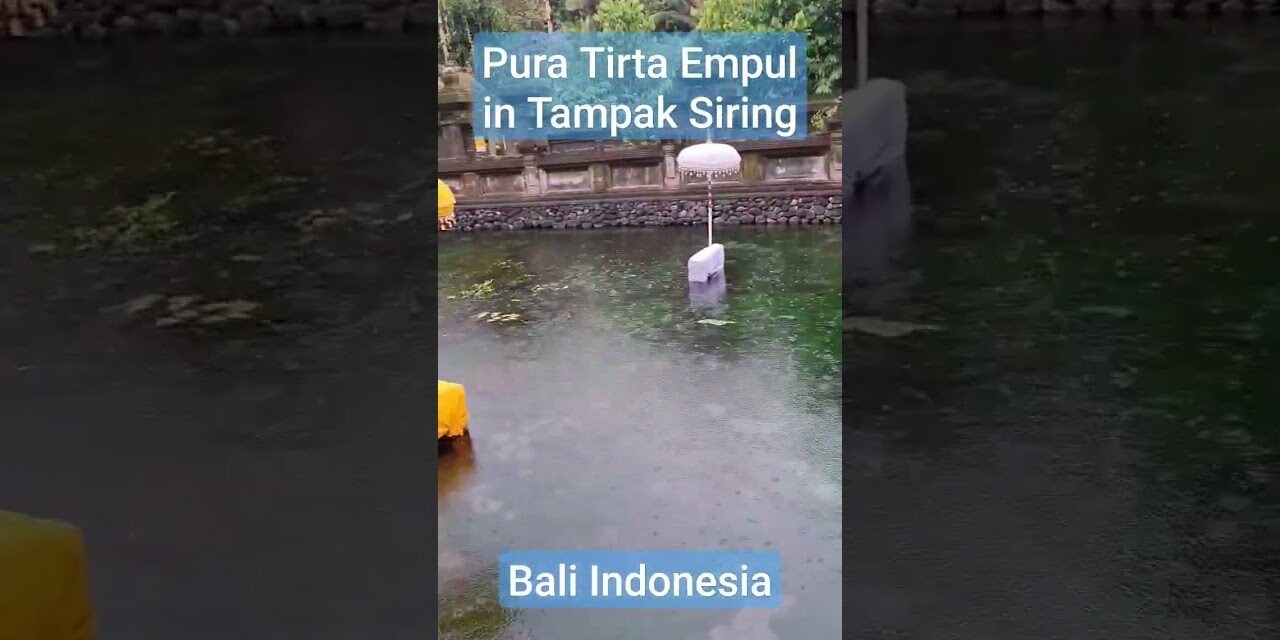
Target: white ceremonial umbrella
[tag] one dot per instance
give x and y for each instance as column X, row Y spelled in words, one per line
column 710, row 159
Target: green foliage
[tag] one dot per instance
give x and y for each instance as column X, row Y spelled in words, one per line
column 527, row 15
column 628, row 16
column 729, row 16
column 822, row 31
column 465, row 18
column 818, row 122
column 825, row 45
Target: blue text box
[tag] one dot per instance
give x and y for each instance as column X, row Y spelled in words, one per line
column 633, row 86
column 640, row 579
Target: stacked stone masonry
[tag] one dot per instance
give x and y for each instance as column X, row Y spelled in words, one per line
column 100, row 19
column 799, row 210
column 1066, row 8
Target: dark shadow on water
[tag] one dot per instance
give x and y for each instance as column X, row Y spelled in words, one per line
column 876, row 235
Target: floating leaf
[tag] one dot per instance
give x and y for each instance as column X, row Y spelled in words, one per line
column 181, row 302
column 242, row 306
column 142, row 303
column 494, row 316
column 479, row 290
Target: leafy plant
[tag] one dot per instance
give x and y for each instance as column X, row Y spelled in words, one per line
column 729, row 16
column 465, row 18
column 627, row 16
column 819, row 120
column 823, row 38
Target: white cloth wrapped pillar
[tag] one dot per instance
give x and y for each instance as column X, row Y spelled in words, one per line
column 707, row 263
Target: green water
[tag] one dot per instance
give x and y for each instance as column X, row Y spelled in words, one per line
column 1088, row 446
column 606, row 413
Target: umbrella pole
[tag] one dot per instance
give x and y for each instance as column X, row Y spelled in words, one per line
column 709, row 210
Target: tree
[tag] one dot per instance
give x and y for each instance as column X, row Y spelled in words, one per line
column 465, row 18
column 628, row 16
column 822, row 36
column 462, row 19
column 526, row 15
column 729, row 16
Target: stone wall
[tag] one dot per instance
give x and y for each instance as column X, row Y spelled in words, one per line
column 507, row 172
column 99, row 19
column 755, row 210
column 1050, row 8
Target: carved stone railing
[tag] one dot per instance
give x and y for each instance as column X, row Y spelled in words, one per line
column 513, row 173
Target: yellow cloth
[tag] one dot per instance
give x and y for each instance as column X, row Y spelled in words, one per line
column 451, row 401
column 444, row 200
column 44, row 587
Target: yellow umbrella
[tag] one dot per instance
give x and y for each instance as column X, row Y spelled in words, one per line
column 444, row 205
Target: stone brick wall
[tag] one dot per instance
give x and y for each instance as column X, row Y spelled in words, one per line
column 1024, row 9
column 99, row 19
column 759, row 210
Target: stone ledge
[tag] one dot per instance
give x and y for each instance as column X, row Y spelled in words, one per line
column 692, row 192
column 758, row 210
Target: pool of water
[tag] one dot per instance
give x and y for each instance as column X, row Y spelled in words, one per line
column 607, row 412
column 262, row 476
column 1083, row 446
column 1087, row 444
